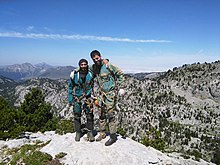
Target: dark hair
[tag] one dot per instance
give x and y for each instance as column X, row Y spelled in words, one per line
column 95, row 52
column 83, row 60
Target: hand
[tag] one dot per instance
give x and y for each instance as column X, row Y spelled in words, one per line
column 96, row 102
column 105, row 61
column 121, row 92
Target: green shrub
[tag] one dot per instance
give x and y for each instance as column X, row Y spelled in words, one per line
column 154, row 140
column 196, row 154
column 185, row 156
column 37, row 158
column 60, row 155
column 64, row 126
column 29, row 154
column 121, row 131
column 216, row 156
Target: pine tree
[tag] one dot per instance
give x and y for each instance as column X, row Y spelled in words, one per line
column 8, row 120
column 216, row 157
column 36, row 113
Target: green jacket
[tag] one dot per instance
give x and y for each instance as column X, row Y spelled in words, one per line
column 109, row 78
column 77, row 88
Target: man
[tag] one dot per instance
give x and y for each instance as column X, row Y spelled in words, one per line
column 79, row 93
column 108, row 78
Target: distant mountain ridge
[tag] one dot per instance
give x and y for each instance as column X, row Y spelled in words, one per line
column 26, row 71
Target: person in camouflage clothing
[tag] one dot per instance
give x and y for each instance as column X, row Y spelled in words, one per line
column 109, row 78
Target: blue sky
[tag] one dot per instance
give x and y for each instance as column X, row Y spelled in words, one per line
column 136, row 35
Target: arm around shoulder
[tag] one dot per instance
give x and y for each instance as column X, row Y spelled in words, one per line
column 118, row 74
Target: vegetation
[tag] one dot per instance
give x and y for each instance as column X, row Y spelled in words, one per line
column 216, row 155
column 183, row 104
column 154, row 139
column 33, row 115
column 65, row 126
column 8, row 123
column 29, row 154
column 60, row 155
column 121, row 131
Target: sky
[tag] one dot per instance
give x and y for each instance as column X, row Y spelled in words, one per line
column 135, row 35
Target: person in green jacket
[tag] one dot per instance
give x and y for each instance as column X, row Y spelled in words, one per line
column 79, row 95
column 109, row 78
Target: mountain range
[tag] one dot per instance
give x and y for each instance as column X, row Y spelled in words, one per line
column 19, row 72
column 183, row 104
column 25, row 71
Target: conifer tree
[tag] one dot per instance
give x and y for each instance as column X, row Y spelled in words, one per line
column 36, row 112
column 7, row 121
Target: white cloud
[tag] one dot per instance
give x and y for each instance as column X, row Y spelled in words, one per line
column 29, row 28
column 75, row 37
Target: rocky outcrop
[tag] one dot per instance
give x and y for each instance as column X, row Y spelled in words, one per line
column 183, row 104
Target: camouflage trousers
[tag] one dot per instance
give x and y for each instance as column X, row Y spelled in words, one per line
column 107, row 115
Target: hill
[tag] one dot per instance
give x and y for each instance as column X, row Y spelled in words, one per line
column 26, row 71
column 180, row 107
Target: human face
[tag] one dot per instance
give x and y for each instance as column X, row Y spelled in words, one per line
column 97, row 59
column 83, row 66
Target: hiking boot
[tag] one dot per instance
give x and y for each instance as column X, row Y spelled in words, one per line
column 90, row 136
column 78, row 136
column 113, row 139
column 102, row 135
